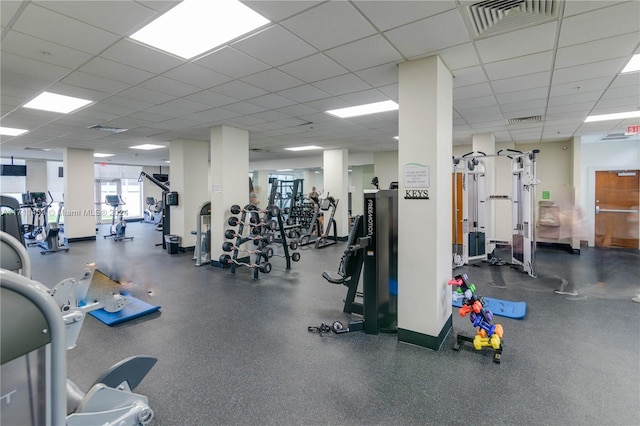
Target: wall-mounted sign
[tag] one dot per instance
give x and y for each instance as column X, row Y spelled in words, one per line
column 632, row 130
column 416, row 175
column 416, row 194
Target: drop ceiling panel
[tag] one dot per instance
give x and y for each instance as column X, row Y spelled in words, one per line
column 146, row 95
column 28, row 67
column 515, row 84
column 8, row 9
column 213, row 116
column 272, row 80
column 56, row 28
column 473, row 91
column 586, row 85
column 115, row 71
column 272, row 101
column 341, row 85
column 523, row 95
column 304, row 94
column 351, row 57
column 244, row 108
column 142, row 57
column 277, row 10
column 42, row 50
column 381, row 75
column 210, row 98
column 531, row 64
column 524, row 108
column 121, row 18
column 577, row 98
column 186, row 106
column 461, row 56
column 391, row 91
column 364, row 97
column 518, row 43
column 275, row 46
column 314, row 68
column 429, row 35
column 94, row 83
column 606, row 22
column 483, row 101
column 468, row 76
column 391, row 14
column 232, row 62
column 131, row 105
column 588, row 71
column 585, row 53
column 169, row 86
column 197, row 76
column 329, row 25
column 239, row 90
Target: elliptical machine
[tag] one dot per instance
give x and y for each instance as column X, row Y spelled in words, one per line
column 46, row 235
column 117, row 230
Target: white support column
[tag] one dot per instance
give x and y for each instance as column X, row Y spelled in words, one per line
column 261, row 186
column 486, row 142
column 79, row 205
column 424, row 221
column 357, row 195
column 189, row 174
column 578, row 231
column 229, row 180
column 385, row 167
column 336, row 181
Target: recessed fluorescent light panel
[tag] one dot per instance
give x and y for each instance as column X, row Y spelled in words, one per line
column 303, row 148
column 147, row 146
column 616, row 116
column 397, row 138
column 101, row 155
column 53, row 102
column 197, row 26
column 9, row 131
column 364, row 109
column 284, row 170
column 633, row 65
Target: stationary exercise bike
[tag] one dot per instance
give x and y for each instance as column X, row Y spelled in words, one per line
column 117, row 230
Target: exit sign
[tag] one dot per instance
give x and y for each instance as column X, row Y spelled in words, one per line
column 632, row 130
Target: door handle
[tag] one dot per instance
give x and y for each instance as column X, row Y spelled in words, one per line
column 597, row 209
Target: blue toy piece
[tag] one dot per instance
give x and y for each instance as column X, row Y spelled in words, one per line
column 134, row 309
column 504, row 308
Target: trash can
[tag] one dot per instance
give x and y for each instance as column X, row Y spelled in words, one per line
column 172, row 242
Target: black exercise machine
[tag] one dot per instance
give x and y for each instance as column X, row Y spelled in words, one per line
column 168, row 199
column 371, row 250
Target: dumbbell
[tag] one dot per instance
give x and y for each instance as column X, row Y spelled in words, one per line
column 295, row 256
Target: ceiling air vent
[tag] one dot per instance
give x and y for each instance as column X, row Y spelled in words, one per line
column 531, row 119
column 493, row 16
column 108, row 129
column 615, row 137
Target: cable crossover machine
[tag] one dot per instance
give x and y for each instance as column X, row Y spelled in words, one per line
column 470, row 239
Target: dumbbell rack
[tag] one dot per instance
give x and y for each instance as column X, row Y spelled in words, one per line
column 261, row 232
column 282, row 228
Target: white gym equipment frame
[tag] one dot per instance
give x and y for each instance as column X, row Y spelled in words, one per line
column 475, row 202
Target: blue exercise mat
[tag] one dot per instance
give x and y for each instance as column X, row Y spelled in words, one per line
column 504, row 308
column 136, row 308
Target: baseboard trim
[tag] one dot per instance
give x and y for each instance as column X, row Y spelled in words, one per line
column 425, row 340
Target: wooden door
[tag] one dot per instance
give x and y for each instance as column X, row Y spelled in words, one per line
column 617, row 194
